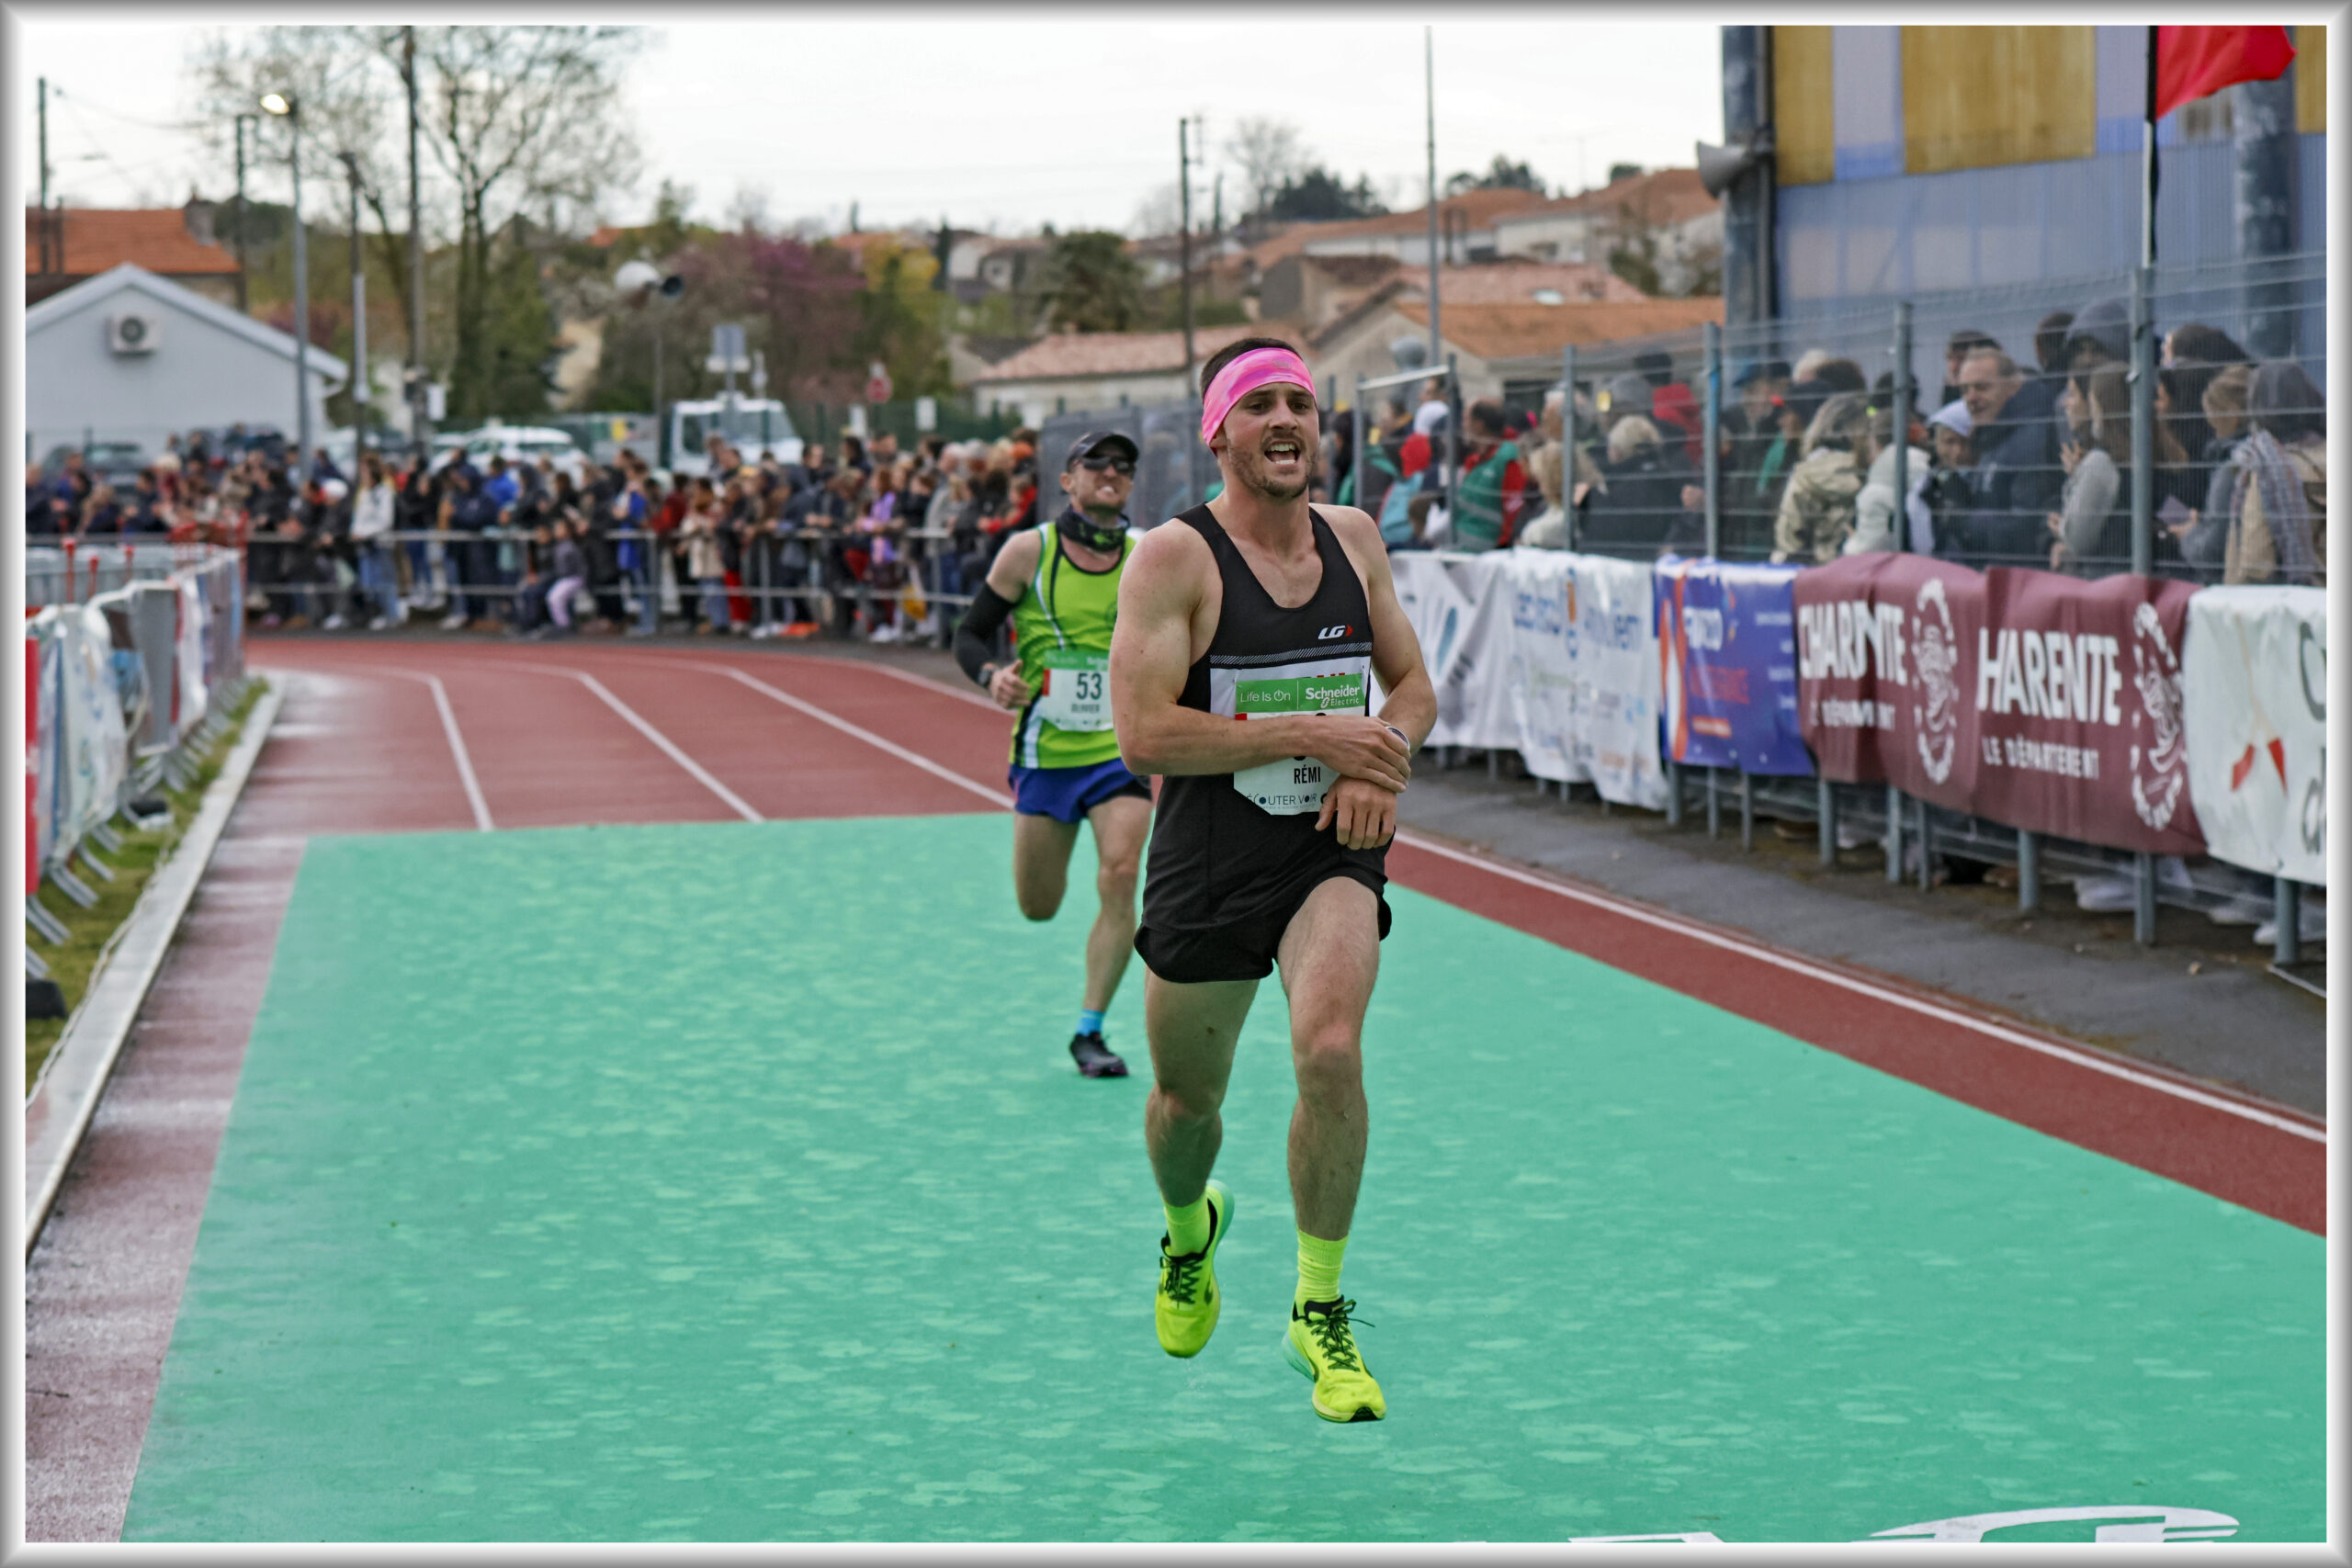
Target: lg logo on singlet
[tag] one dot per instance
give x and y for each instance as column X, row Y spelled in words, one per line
column 1329, row 633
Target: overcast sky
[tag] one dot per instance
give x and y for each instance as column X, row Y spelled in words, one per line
column 1005, row 121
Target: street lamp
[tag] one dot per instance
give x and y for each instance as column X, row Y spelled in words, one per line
column 284, row 107
column 639, row 282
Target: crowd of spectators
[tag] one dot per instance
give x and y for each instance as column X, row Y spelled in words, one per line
column 2015, row 465
column 859, row 539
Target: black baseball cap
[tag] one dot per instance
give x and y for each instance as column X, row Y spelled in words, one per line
column 1085, row 445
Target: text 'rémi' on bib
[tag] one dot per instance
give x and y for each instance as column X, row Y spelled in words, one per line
column 1293, row 784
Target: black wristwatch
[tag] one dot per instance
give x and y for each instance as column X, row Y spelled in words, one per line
column 987, row 676
column 1399, row 735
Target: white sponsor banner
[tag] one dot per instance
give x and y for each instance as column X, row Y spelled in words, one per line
column 1540, row 679
column 2255, row 673
column 189, row 653
column 1480, row 679
column 1613, row 648
column 94, row 752
column 1438, row 612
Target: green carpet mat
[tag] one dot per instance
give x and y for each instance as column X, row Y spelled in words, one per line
column 730, row 1182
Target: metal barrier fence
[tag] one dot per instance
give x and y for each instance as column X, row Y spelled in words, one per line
column 2117, row 445
column 124, row 688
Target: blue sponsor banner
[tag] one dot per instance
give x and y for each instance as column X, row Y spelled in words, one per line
column 1727, row 638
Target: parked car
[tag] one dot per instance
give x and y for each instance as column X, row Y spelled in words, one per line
column 116, row 462
column 517, row 443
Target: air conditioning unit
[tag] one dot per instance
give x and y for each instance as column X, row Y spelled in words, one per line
column 132, row 331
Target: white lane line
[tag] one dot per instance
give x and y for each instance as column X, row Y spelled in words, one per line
column 966, row 694
column 457, row 746
column 994, row 797
column 701, row 774
column 1864, row 987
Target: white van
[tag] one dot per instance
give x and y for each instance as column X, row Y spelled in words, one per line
column 753, row 426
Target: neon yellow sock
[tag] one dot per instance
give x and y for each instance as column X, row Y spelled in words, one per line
column 1188, row 1227
column 1318, row 1267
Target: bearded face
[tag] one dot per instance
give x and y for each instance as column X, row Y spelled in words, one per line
column 1271, row 443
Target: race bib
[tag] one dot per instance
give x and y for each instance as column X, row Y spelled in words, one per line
column 1076, row 694
column 1293, row 785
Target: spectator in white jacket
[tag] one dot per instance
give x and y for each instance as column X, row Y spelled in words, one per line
column 1874, row 507
column 372, row 511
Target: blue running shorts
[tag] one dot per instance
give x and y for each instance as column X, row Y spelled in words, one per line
column 1067, row 795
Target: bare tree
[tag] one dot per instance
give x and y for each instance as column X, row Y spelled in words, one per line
column 519, row 122
column 1270, row 152
column 1160, row 212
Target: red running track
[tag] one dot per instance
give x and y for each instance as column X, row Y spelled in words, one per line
column 396, row 736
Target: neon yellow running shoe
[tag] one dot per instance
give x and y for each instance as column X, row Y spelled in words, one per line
column 1185, row 1305
column 1321, row 1346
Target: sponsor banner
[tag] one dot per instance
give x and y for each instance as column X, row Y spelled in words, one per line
column 94, row 751
column 1438, row 612
column 189, row 647
column 1612, row 650
column 2255, row 697
column 1883, row 641
column 2077, row 692
column 1727, row 638
column 41, row 723
column 1539, row 677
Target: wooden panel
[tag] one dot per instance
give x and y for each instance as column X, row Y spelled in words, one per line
column 1803, row 124
column 2310, row 80
column 1977, row 97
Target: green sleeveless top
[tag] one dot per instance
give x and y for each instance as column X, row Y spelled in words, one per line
column 1061, row 629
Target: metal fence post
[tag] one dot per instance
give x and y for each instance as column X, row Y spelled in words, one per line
column 2143, row 423
column 1902, row 430
column 1568, row 440
column 2287, row 908
column 1673, row 793
column 1712, row 336
column 1356, row 448
column 1714, row 807
column 2143, row 898
column 1746, row 811
column 1827, row 795
column 1926, row 872
column 1893, row 834
column 1453, row 437
column 2028, row 873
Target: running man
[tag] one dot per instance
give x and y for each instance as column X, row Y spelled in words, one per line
column 1059, row 582
column 1272, row 835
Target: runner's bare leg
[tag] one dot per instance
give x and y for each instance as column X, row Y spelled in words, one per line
column 1120, row 825
column 1192, row 1030
column 1329, row 957
column 1040, row 848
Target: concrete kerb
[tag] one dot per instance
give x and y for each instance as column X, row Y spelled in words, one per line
column 65, row 1096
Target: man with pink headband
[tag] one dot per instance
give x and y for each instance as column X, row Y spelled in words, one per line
column 1270, row 838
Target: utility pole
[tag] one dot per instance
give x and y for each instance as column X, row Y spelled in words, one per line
column 358, row 324
column 420, row 418
column 290, row 107
column 1428, row 78
column 1184, row 238
column 242, row 121
column 42, row 99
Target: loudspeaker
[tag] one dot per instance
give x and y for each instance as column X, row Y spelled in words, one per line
column 1718, row 166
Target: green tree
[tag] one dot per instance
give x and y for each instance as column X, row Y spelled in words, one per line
column 1092, row 284
column 1318, row 194
column 1502, row 174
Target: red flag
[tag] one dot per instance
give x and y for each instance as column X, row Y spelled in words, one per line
column 2193, row 61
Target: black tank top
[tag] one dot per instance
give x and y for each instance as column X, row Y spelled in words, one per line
column 1229, row 847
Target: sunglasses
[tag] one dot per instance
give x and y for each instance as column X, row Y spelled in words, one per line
column 1122, row 467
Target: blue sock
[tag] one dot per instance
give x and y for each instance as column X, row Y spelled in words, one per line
column 1088, row 1021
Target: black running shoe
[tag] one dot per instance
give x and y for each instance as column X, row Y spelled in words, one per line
column 1096, row 1060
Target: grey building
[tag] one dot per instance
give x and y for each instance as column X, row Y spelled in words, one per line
column 131, row 356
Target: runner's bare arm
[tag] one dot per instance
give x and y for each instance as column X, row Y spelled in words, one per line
column 1364, row 815
column 1008, row 576
column 1161, row 630
column 1412, row 704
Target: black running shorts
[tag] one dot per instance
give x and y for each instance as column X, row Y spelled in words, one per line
column 1244, row 950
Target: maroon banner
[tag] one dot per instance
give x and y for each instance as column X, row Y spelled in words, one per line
column 2044, row 701
column 1882, row 640
column 2077, row 692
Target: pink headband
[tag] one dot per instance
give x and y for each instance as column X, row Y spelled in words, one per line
column 1244, row 374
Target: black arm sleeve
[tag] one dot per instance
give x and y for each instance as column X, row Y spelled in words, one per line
column 977, row 629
